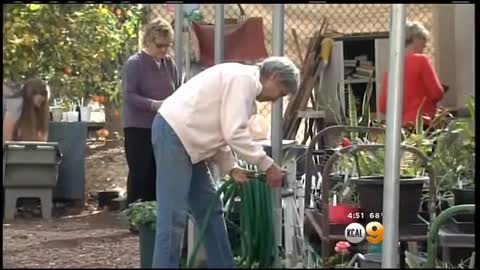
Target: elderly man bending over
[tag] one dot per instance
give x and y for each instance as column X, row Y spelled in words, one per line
column 207, row 119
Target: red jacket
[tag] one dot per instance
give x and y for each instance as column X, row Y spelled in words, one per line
column 421, row 83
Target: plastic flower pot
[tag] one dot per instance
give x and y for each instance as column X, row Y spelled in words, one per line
column 464, row 196
column 147, row 245
column 343, row 214
column 105, row 198
column 370, row 191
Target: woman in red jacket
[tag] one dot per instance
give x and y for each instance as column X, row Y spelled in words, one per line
column 421, row 84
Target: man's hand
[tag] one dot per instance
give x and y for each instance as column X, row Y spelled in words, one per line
column 275, row 175
column 239, row 175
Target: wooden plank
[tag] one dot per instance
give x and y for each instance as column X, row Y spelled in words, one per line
column 310, row 74
column 300, row 101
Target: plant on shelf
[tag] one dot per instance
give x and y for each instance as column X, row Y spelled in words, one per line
column 366, row 168
column 454, row 159
column 455, row 150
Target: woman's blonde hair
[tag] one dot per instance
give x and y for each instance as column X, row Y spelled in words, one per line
column 33, row 121
column 157, row 27
column 415, row 30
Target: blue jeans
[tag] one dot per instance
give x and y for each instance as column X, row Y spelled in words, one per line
column 182, row 186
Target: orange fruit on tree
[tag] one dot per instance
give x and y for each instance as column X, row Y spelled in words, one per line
column 102, row 99
column 118, row 12
column 68, row 70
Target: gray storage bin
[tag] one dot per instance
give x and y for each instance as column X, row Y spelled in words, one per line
column 30, row 164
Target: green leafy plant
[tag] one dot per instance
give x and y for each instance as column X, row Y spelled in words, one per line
column 453, row 157
column 415, row 261
column 366, row 163
column 78, row 48
column 141, row 214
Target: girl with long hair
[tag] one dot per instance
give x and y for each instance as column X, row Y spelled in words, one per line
column 26, row 113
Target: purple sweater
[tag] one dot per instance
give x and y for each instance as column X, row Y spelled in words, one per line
column 145, row 80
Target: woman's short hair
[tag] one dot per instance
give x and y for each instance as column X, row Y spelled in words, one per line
column 158, row 27
column 415, row 30
column 287, row 72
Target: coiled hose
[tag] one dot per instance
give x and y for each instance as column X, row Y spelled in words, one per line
column 257, row 238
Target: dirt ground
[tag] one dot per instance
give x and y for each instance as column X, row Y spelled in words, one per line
column 80, row 237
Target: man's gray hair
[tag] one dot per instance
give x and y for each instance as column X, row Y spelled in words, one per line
column 415, row 30
column 287, row 72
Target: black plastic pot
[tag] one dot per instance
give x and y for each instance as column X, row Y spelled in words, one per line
column 464, row 196
column 105, row 198
column 370, row 191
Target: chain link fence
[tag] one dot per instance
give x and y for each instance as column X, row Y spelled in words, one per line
column 305, row 19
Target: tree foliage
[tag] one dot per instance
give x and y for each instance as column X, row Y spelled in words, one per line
column 78, row 48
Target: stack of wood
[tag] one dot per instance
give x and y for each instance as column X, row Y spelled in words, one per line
column 310, row 73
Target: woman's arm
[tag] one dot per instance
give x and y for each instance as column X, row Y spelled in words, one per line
column 9, row 122
column 177, row 80
column 383, row 95
column 42, row 136
column 131, row 84
column 430, row 79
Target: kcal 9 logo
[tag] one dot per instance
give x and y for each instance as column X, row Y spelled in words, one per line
column 356, row 233
column 375, row 232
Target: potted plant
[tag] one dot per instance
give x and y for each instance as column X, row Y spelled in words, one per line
column 344, row 207
column 454, row 159
column 143, row 216
column 369, row 185
column 368, row 167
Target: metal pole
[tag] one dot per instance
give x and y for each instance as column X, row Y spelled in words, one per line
column 219, row 41
column 179, row 39
column 392, row 142
column 219, row 33
column 276, row 127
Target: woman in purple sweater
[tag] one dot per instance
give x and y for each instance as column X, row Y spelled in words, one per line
column 149, row 77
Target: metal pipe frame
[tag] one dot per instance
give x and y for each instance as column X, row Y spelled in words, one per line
column 391, row 191
column 219, row 33
column 276, row 126
column 179, row 21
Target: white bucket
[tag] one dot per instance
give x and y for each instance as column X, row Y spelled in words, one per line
column 85, row 114
column 57, row 114
column 72, row 116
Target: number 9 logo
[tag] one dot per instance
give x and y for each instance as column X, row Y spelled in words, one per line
column 374, row 232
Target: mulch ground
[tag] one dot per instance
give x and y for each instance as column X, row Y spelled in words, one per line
column 76, row 237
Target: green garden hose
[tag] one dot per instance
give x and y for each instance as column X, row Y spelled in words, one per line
column 257, row 237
